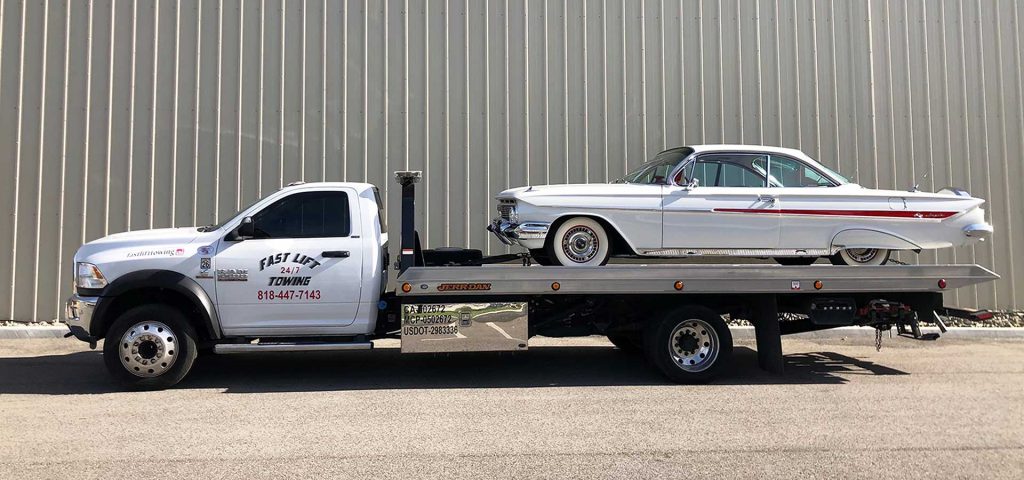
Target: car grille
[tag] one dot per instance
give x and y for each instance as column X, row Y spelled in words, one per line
column 506, row 209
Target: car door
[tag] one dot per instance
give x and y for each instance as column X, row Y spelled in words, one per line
column 301, row 273
column 812, row 210
column 731, row 206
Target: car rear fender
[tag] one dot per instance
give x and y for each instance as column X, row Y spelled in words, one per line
column 871, row 238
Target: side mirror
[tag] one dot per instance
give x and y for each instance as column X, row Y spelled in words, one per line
column 245, row 230
column 692, row 185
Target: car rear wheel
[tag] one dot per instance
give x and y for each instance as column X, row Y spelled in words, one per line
column 795, row 261
column 579, row 242
column 150, row 347
column 861, row 256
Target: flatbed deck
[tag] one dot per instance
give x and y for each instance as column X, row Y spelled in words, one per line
column 707, row 279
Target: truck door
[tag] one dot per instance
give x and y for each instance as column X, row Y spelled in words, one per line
column 301, row 273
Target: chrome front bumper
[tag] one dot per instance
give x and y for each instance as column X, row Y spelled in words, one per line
column 78, row 316
column 515, row 233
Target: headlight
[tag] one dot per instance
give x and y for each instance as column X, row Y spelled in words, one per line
column 507, row 210
column 88, row 275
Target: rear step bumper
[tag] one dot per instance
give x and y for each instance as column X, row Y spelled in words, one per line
column 229, row 348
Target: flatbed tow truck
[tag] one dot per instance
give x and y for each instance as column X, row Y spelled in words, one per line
column 456, row 300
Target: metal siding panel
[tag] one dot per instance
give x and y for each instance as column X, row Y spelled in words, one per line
column 177, row 113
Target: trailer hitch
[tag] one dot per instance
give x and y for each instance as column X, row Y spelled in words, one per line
column 884, row 314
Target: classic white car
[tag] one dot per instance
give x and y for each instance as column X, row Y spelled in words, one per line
column 733, row 200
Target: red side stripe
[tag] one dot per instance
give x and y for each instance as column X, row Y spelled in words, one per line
column 841, row 213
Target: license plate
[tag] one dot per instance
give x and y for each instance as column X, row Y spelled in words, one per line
column 462, row 327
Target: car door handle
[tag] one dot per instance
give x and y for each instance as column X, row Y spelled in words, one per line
column 335, row 254
column 766, row 198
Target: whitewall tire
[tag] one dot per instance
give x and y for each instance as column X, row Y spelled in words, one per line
column 861, row 256
column 579, row 242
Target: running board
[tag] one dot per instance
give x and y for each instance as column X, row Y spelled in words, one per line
column 229, row 348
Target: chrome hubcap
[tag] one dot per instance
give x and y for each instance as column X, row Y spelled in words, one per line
column 694, row 345
column 862, row 255
column 580, row 244
column 148, row 349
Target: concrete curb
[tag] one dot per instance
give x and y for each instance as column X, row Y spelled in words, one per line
column 14, row 333
column 738, row 333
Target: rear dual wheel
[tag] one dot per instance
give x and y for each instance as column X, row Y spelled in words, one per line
column 689, row 345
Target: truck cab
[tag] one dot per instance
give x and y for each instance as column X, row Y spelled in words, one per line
column 307, row 260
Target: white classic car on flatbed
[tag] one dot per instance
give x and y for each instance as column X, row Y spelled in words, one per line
column 733, row 200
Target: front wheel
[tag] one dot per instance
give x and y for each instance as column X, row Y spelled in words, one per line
column 689, row 345
column 540, row 256
column 861, row 256
column 579, row 242
column 150, row 347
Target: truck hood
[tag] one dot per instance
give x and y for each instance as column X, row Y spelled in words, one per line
column 162, row 242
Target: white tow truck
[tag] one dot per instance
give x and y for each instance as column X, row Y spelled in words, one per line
column 306, row 269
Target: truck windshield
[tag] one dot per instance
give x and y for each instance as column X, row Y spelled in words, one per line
column 229, row 218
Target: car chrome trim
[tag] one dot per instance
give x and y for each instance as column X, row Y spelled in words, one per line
column 842, row 213
column 739, row 252
column 510, row 233
column 978, row 230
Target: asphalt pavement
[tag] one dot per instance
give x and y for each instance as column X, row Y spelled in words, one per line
column 573, row 408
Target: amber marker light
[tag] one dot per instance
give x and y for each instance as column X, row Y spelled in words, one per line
column 818, row 284
column 678, row 285
column 942, row 283
column 406, row 287
column 555, row 286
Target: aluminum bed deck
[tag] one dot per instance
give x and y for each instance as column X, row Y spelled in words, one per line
column 707, row 279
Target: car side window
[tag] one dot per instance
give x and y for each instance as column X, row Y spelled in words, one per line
column 789, row 172
column 305, row 215
column 728, row 170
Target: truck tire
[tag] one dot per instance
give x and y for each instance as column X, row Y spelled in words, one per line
column 627, row 343
column 689, row 345
column 150, row 347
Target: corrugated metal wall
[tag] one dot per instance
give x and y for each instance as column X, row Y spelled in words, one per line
column 130, row 115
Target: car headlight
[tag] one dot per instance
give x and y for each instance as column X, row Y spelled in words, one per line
column 507, row 210
column 88, row 275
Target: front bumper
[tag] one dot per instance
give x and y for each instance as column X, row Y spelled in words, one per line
column 78, row 313
column 527, row 234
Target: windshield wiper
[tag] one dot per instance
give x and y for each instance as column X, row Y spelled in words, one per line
column 206, row 228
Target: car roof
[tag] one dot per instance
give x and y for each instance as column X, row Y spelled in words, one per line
column 747, row 148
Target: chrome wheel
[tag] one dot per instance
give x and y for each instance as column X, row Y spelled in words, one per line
column 862, row 255
column 147, row 349
column 694, row 345
column 581, row 244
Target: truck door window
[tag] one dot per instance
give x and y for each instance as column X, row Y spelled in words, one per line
column 305, row 215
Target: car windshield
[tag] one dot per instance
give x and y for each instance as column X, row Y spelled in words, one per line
column 656, row 171
column 834, row 174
